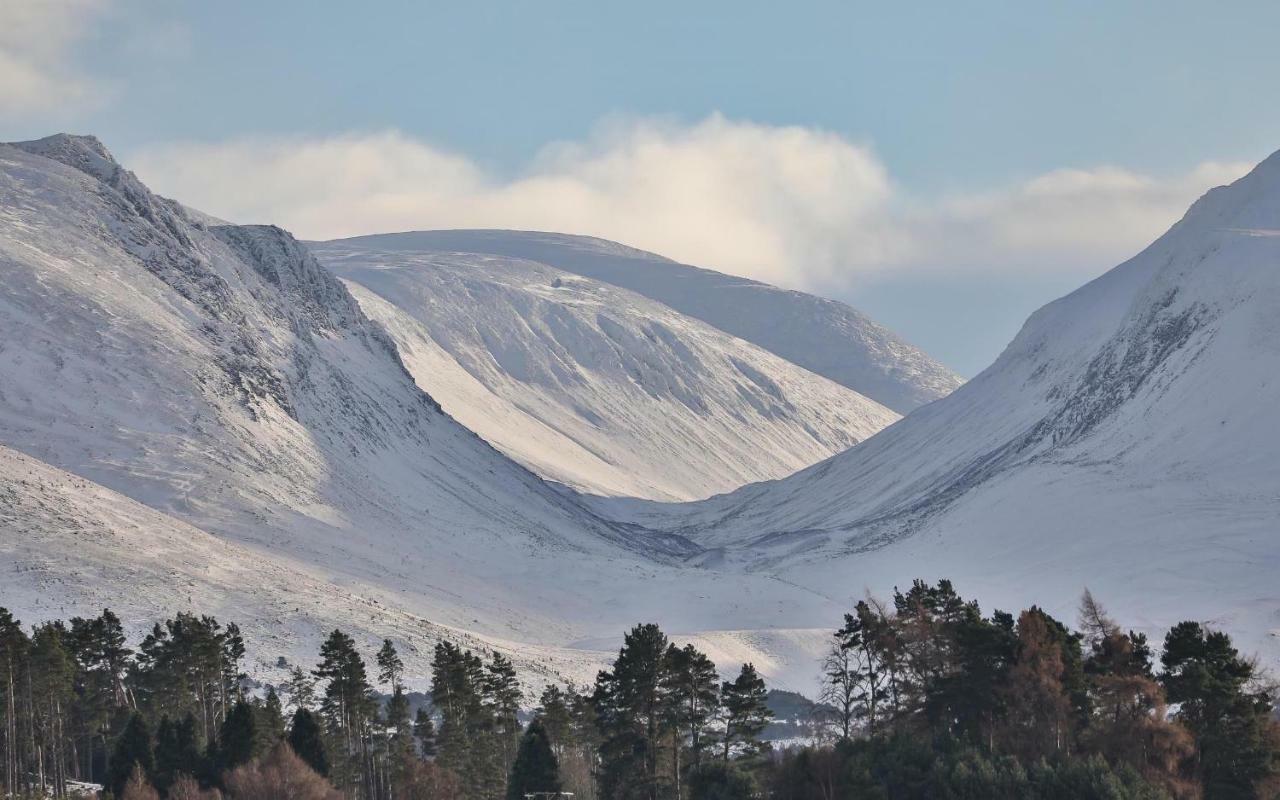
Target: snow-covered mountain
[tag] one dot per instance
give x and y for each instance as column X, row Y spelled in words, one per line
column 196, row 415
column 823, row 336
column 595, row 386
column 205, row 418
column 1127, row 438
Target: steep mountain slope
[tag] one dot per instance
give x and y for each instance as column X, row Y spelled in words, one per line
column 83, row 548
column 220, row 377
column 595, row 386
column 1126, row 437
column 823, row 336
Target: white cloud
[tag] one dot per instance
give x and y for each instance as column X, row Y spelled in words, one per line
column 38, row 38
column 789, row 205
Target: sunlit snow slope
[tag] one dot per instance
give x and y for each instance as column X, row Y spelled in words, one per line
column 823, row 336
column 1128, row 438
column 215, row 388
column 595, row 386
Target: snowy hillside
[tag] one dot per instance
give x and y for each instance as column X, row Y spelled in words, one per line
column 214, row 384
column 598, row 387
column 823, row 336
column 1128, row 434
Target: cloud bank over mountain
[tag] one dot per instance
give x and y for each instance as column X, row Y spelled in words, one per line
column 790, row 205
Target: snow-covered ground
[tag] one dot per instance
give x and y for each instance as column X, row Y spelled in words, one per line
column 1127, row 439
column 823, row 336
column 232, row 389
column 198, row 415
column 598, row 387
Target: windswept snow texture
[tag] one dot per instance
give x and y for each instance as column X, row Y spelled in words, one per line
column 823, row 336
column 215, row 388
column 1127, row 438
column 595, row 386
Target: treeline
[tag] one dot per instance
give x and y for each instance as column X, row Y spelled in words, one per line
column 929, row 698
column 924, row 697
column 176, row 718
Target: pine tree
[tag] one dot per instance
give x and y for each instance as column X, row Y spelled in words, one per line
column 746, row 713
column 692, row 698
column 553, row 711
column 424, row 730
column 390, row 667
column 466, row 738
column 1212, row 685
column 349, row 708
column 502, row 695
column 177, row 751
column 50, row 677
column 270, row 718
column 14, row 646
column 238, row 738
column 307, row 741
column 301, row 689
column 535, row 768
column 132, row 750
column 630, row 712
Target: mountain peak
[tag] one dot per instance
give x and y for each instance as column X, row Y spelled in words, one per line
column 83, row 152
column 1250, row 204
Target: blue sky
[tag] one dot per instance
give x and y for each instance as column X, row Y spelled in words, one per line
column 995, row 154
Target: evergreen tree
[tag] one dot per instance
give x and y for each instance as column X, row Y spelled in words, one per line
column 466, row 725
column 719, row 780
column 424, row 730
column 348, row 700
column 132, row 750
column 50, row 684
column 390, row 667
column 270, row 718
column 502, row 695
column 553, row 711
column 631, row 713
column 535, row 768
column 349, row 708
column 14, row 646
column 238, row 738
column 746, row 713
column 691, row 695
column 1211, row 683
column 177, row 751
column 307, row 741
column 301, row 689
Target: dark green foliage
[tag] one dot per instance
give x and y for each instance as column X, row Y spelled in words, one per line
column 424, row 730
column 630, row 708
column 1231, row 719
column 348, row 698
column 132, row 749
column 270, row 722
column 906, row 768
column 477, row 720
column 535, row 768
column 746, row 713
column 306, row 739
column 237, row 739
column 719, row 780
column 942, row 702
column 177, row 752
column 692, row 697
